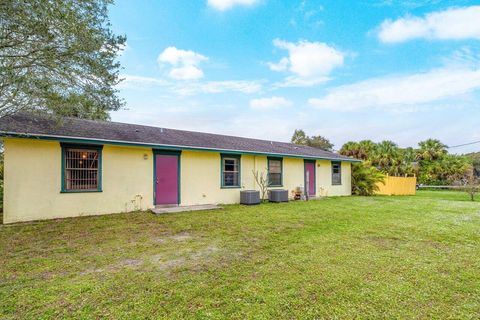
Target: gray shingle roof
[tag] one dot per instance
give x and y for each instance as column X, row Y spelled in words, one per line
column 71, row 129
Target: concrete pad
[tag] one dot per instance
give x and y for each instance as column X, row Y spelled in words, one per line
column 161, row 210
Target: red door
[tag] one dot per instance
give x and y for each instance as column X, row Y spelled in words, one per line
column 310, row 178
column 166, row 179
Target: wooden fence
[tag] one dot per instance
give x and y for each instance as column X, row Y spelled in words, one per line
column 398, row 186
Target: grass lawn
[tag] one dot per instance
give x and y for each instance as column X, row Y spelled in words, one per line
column 352, row 257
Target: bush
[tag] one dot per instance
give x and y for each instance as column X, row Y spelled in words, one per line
column 365, row 179
column 430, row 162
column 1, row 180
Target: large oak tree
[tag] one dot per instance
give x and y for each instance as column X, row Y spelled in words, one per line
column 58, row 56
column 319, row 142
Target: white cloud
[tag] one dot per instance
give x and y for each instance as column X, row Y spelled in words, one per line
column 270, row 103
column 186, row 73
column 294, row 81
column 453, row 24
column 191, row 88
column 183, row 63
column 135, row 82
column 309, row 63
column 282, row 65
column 403, row 93
column 242, row 86
column 223, row 5
column 177, row 57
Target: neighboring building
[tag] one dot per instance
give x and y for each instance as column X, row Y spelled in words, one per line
column 71, row 167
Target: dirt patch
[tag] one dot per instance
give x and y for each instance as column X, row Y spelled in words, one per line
column 184, row 258
column 467, row 218
column 130, row 263
column 434, row 244
column 395, row 243
column 179, row 237
column 182, row 236
column 203, row 253
column 125, row 263
column 386, row 242
column 168, row 264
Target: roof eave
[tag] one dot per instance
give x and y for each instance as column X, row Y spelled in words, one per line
column 160, row 146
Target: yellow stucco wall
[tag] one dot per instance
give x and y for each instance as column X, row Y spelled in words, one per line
column 200, row 177
column 324, row 180
column 33, row 180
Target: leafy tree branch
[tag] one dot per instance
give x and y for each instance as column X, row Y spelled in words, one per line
column 58, row 57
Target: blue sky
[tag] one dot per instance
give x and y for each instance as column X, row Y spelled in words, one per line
column 348, row 70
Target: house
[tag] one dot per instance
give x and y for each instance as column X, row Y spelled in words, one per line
column 57, row 168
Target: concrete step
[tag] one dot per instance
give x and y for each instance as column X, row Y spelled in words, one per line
column 175, row 209
column 161, row 206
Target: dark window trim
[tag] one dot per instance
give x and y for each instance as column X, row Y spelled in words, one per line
column 281, row 171
column 96, row 147
column 340, row 173
column 222, row 181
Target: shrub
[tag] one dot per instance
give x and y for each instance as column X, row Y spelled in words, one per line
column 1, row 180
column 365, row 179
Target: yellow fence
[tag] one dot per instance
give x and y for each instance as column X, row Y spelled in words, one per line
column 399, row 186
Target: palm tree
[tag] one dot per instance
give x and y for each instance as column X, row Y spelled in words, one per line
column 350, row 149
column 365, row 179
column 431, row 149
column 407, row 158
column 386, row 157
column 366, row 149
column 359, row 150
column 454, row 168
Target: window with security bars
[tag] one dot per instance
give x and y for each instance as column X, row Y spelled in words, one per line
column 81, row 169
column 336, row 173
column 230, row 172
column 274, row 172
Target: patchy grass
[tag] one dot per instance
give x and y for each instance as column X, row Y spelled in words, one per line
column 353, row 257
column 447, row 195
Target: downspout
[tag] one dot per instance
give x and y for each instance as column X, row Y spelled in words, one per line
column 254, row 169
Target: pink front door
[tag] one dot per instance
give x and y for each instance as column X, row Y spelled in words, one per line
column 166, row 179
column 310, row 177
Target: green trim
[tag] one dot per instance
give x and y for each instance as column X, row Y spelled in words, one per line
column 80, row 191
column 340, row 169
column 100, row 168
column 167, row 152
column 281, row 171
column 177, row 153
column 305, row 161
column 164, row 147
column 238, row 157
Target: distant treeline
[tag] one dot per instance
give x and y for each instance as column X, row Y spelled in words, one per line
column 430, row 162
